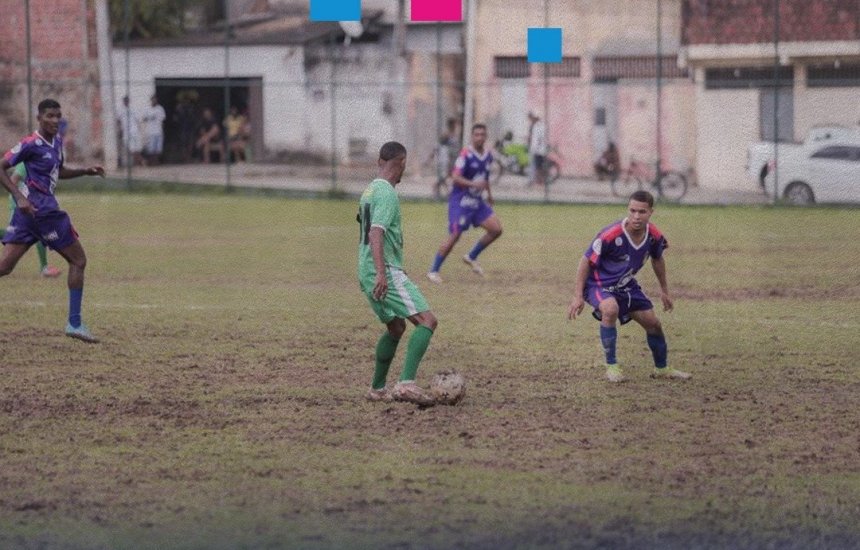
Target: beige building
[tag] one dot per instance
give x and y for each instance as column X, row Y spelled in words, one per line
column 729, row 46
column 605, row 88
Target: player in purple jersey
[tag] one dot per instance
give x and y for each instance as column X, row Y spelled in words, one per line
column 605, row 279
column 38, row 216
column 466, row 204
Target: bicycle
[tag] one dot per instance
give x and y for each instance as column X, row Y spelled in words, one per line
column 513, row 158
column 670, row 186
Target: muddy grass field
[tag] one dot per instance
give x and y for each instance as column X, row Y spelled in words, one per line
column 224, row 407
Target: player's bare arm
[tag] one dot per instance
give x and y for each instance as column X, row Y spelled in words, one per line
column 68, row 173
column 490, row 199
column 659, row 266
column 381, row 287
column 578, row 302
column 20, row 200
column 464, row 182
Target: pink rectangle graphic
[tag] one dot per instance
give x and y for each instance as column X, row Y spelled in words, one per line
column 437, row 10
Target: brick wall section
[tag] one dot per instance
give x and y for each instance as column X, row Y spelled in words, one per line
column 752, row 21
column 64, row 66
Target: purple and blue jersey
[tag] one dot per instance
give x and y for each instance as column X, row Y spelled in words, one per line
column 50, row 225
column 614, row 261
column 42, row 161
column 466, row 206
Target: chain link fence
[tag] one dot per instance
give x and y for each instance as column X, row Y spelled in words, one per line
column 690, row 86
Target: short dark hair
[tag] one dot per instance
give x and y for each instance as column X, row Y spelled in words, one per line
column 479, row 125
column 46, row 104
column 643, row 196
column 391, row 150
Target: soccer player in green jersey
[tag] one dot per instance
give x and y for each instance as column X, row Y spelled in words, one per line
column 18, row 176
column 392, row 296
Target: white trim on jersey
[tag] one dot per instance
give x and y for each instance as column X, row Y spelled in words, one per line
column 480, row 157
column 398, row 277
column 630, row 239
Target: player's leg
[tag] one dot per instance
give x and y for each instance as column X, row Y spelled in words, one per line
column 386, row 347
column 407, row 389
column 76, row 257
column 406, row 301
column 489, row 221
column 12, row 252
column 12, row 207
column 44, row 269
column 648, row 320
column 457, row 219
column 609, row 309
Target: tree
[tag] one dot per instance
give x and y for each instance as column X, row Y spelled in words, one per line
column 161, row 18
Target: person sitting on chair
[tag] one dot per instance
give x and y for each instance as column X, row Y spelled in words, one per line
column 609, row 163
column 209, row 137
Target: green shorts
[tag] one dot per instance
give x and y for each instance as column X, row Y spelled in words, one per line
column 402, row 300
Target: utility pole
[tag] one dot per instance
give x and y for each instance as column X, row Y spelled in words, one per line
column 468, row 99
column 775, row 100
column 29, row 67
column 659, row 163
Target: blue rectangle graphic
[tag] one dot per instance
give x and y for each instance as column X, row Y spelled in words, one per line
column 335, row 10
column 544, row 45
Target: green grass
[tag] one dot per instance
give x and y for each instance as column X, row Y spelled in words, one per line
column 224, row 407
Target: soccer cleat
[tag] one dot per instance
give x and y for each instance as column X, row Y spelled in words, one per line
column 81, row 333
column 668, row 372
column 476, row 267
column 412, row 393
column 51, row 272
column 614, row 374
column 380, row 395
column 434, row 276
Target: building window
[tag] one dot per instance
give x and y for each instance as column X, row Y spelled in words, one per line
column 827, row 75
column 748, row 77
column 568, row 68
column 612, row 69
column 838, row 152
column 512, row 67
column 776, row 113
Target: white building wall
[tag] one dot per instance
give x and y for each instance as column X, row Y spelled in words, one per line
column 823, row 106
column 727, row 122
column 286, row 116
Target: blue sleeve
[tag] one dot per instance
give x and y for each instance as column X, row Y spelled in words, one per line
column 19, row 153
column 658, row 245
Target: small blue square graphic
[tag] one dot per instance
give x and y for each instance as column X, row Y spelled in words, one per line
column 335, row 10
column 544, row 45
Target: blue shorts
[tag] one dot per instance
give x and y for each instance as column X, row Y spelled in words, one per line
column 54, row 229
column 629, row 299
column 461, row 218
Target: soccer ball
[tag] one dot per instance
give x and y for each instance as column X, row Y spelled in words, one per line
column 448, row 387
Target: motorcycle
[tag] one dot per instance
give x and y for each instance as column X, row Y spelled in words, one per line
column 511, row 157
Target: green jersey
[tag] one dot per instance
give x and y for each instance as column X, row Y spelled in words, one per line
column 379, row 207
column 22, row 184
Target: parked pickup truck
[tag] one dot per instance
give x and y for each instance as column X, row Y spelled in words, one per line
column 760, row 155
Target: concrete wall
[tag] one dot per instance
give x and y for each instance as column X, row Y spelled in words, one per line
column 727, row 121
column 288, row 121
column 64, row 67
column 589, row 29
column 823, row 106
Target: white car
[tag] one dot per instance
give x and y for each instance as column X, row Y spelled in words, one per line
column 760, row 155
column 826, row 174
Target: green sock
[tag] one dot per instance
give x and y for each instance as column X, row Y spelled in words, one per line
column 43, row 256
column 418, row 343
column 385, row 349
